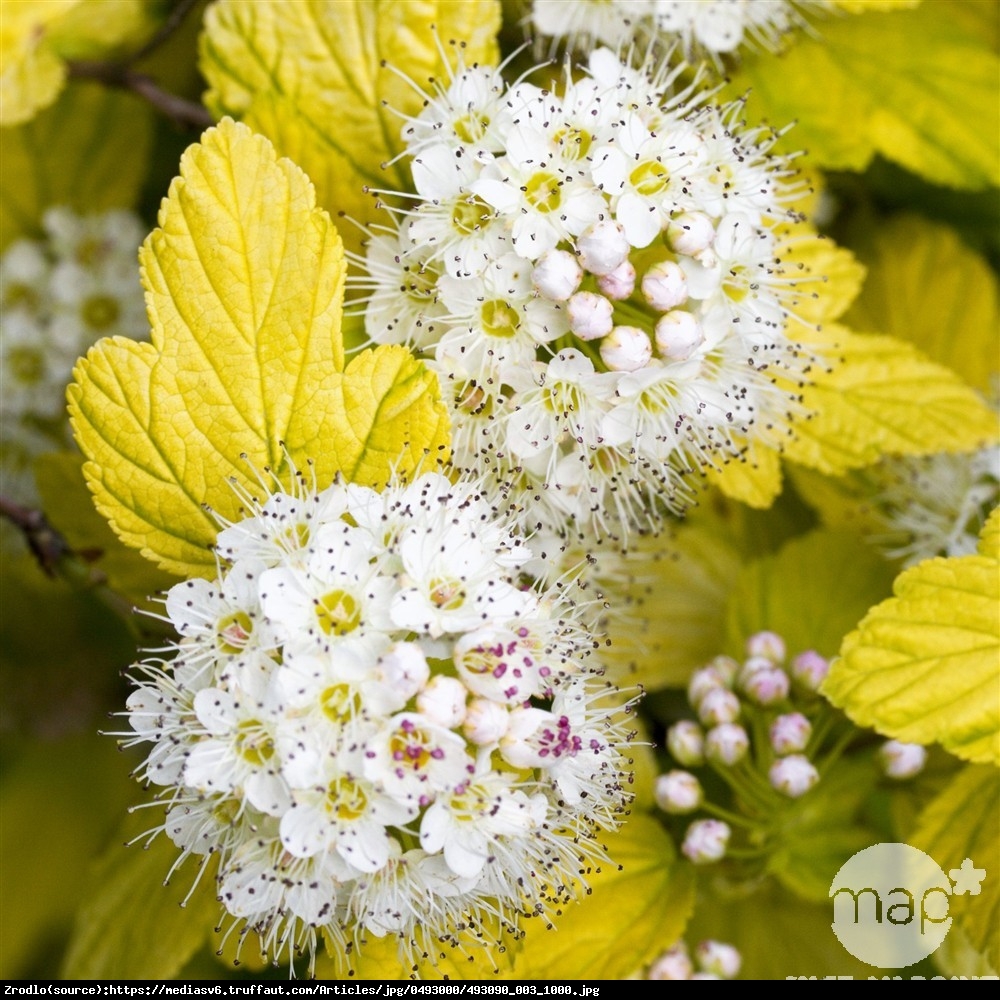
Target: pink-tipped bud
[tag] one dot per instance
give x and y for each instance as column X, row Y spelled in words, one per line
column 686, row 743
column 589, row 315
column 618, row 284
column 485, row 722
column 557, row 275
column 767, row 687
column 719, row 958
column 672, row 964
column 678, row 335
column 753, row 665
column 718, row 706
column 726, row 744
column 602, row 247
column 790, row 733
column 902, row 760
column 626, row 349
column 678, row 792
column 793, row 775
column 442, row 701
column 767, row 644
column 665, row 286
column 809, row 669
column 705, row 841
column 691, row 233
column 702, row 681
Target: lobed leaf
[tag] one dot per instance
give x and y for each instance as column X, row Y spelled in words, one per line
column 245, row 370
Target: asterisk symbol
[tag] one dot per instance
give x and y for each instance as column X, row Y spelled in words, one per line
column 967, row 879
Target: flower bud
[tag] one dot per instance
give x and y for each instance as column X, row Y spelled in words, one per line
column 752, row 665
column 485, row 722
column 686, row 743
column 726, row 744
column 678, row 792
column 678, row 335
column 703, row 975
column 691, row 233
column 602, row 247
column 716, row 957
column 702, row 681
column 810, row 669
column 727, row 668
column 719, row 706
column 790, row 733
column 626, row 349
column 793, row 775
column 665, row 286
column 442, row 701
column 902, row 760
column 618, row 284
column 557, row 275
column 768, row 644
column 403, row 667
column 767, row 687
column 705, row 841
column 672, row 964
column 589, row 315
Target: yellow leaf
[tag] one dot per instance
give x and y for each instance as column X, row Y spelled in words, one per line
column 925, row 286
column 630, row 916
column 963, row 821
column 884, row 397
column 917, row 86
column 924, row 666
column 321, row 78
column 989, row 537
column 829, row 277
column 244, row 283
column 88, row 151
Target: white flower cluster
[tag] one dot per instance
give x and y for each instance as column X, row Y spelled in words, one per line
column 377, row 726
column 595, row 277
column 58, row 295
column 696, row 29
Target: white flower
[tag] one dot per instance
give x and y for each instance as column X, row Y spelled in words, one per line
column 336, row 718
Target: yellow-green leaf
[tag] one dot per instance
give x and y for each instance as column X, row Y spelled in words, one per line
column 924, row 666
column 754, row 478
column 322, row 79
column 964, row 822
column 89, row 151
column 131, row 925
column 630, row 916
column 989, row 537
column 244, row 283
column 884, row 397
column 917, row 86
column 925, row 286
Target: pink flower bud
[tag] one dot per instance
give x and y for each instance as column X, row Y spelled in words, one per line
column 719, row 706
column 618, row 284
column 589, row 315
column 793, row 775
column 726, row 744
column 719, row 958
column 902, row 760
column 672, row 964
column 702, row 681
column 665, row 286
column 767, row 687
column 678, row 792
column 626, row 349
column 705, row 841
column 678, row 335
column 810, row 669
column 790, row 733
column 768, row 644
column 686, row 743
column 557, row 275
column 691, row 233
column 485, row 722
column 602, row 247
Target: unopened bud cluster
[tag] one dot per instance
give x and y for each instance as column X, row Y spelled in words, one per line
column 596, row 273
column 758, row 723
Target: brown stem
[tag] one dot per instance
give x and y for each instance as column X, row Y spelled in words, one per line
column 173, row 21
column 47, row 545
